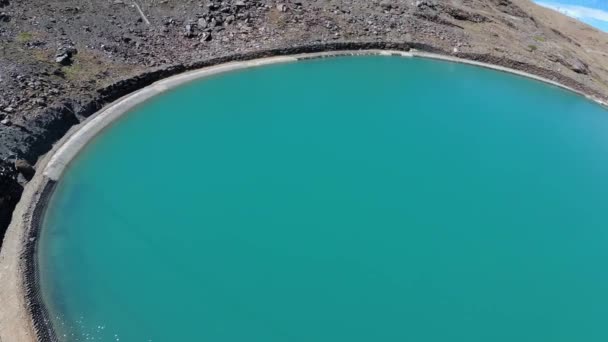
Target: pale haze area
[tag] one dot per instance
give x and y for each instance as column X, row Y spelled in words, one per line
column 591, row 12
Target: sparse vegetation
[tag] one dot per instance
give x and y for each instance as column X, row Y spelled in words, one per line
column 74, row 72
column 42, row 56
column 25, row 37
column 532, row 47
column 88, row 66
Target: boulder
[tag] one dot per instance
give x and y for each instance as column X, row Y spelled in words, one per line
column 386, row 5
column 64, row 55
column 571, row 63
column 206, row 36
column 24, row 168
column 229, row 19
column 63, row 59
column 426, row 3
column 189, row 33
column 578, row 66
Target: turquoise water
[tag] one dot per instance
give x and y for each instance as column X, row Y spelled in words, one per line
column 346, row 199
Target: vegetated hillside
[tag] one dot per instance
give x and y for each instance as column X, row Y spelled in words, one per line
column 61, row 60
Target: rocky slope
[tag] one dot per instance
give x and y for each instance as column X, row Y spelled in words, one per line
column 61, row 60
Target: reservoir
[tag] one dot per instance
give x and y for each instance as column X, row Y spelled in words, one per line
column 340, row 199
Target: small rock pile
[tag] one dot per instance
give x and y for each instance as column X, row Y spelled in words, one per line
column 217, row 16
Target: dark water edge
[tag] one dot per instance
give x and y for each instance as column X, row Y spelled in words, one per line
column 42, row 322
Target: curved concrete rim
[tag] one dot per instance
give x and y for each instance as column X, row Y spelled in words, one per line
column 23, row 316
column 61, row 158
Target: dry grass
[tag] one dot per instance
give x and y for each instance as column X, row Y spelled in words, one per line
column 24, row 37
column 42, row 55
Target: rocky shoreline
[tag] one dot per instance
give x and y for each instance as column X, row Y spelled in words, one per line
column 62, row 61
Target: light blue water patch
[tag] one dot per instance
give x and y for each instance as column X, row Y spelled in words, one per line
column 345, row 199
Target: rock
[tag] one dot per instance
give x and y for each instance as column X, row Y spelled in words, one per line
column 229, row 19
column 426, row 3
column 5, row 17
column 22, row 180
column 24, row 168
column 63, row 59
column 40, row 102
column 188, row 32
column 282, row 7
column 578, row 66
column 460, row 14
column 8, row 109
column 240, row 4
column 205, row 37
column 6, row 122
column 571, row 63
column 508, row 7
column 386, row 5
column 64, row 55
column 201, row 23
column 69, row 50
